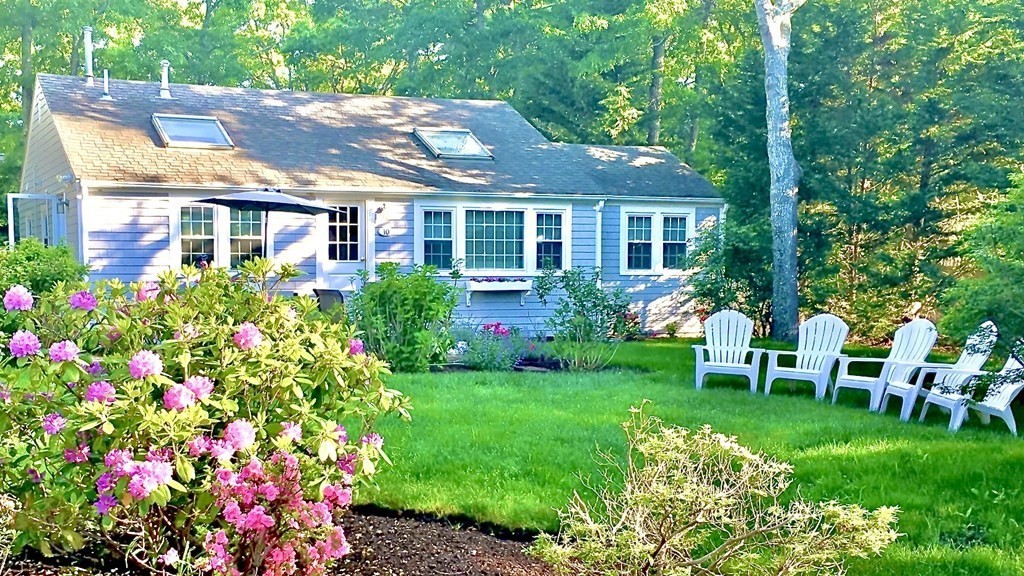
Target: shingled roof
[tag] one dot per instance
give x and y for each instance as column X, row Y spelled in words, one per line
column 305, row 140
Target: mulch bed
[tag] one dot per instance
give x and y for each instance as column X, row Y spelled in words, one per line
column 382, row 545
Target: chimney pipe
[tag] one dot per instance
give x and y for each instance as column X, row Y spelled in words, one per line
column 87, row 42
column 106, row 86
column 165, row 86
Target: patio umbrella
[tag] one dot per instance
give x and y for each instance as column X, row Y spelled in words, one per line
column 268, row 200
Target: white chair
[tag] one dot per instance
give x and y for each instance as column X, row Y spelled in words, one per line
column 996, row 404
column 952, row 376
column 910, row 347
column 819, row 344
column 728, row 335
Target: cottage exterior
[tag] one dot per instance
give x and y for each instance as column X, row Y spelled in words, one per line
column 417, row 181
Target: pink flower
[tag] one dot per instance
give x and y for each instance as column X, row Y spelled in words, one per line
column 355, row 346
column 169, row 558
column 64, row 351
column 83, row 300
column 105, row 504
column 373, row 439
column 95, row 369
column 120, row 462
column 291, row 431
column 18, row 298
column 101, row 391
column 201, row 386
column 160, row 454
column 24, row 343
column 145, row 363
column 78, row 455
column 233, row 514
column 240, row 435
column 257, row 519
column 187, row 332
column 54, row 423
column 338, row 495
column 178, row 398
column 147, row 477
column 147, row 291
column 347, row 464
column 105, row 483
column 248, row 336
column 222, row 450
column 341, row 434
column 199, row 445
column 269, row 491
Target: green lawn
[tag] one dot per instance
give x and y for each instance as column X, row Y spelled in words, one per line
column 507, row 448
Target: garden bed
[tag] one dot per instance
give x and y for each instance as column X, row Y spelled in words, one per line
column 381, row 546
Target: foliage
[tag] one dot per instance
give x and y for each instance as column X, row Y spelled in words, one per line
column 585, row 316
column 699, row 502
column 405, row 317
column 187, row 420
column 492, row 347
column 627, row 325
column 672, row 329
column 8, row 506
column 38, row 267
column 996, row 244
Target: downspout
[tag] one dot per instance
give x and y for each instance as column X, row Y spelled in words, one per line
column 82, row 195
column 599, row 225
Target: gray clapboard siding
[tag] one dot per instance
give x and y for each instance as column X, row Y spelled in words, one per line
column 398, row 219
column 129, row 238
column 295, row 242
column 584, row 234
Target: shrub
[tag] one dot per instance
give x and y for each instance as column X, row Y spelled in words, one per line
column 405, row 318
column 38, row 267
column 585, row 317
column 699, row 503
column 672, row 329
column 492, row 347
column 196, row 421
column 7, row 509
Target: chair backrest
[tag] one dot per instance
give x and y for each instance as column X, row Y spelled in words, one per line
column 912, row 343
column 329, row 299
column 976, row 351
column 1004, row 395
column 820, row 337
column 728, row 334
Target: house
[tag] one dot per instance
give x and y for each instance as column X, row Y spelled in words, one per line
column 116, row 173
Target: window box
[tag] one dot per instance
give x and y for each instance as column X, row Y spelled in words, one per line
column 523, row 286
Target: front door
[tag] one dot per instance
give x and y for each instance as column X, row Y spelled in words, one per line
column 37, row 215
column 342, row 252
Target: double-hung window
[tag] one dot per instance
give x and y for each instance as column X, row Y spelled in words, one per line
column 640, row 242
column 198, row 241
column 216, row 235
column 343, row 234
column 495, row 240
column 549, row 240
column 246, row 235
column 438, row 238
column 654, row 239
column 673, row 242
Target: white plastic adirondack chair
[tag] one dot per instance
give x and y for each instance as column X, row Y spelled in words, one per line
column 976, row 352
column 819, row 343
column 997, row 404
column 728, row 334
column 910, row 347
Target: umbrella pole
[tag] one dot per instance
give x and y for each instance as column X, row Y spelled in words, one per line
column 266, row 233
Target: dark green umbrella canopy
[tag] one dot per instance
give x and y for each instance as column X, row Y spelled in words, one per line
column 270, row 200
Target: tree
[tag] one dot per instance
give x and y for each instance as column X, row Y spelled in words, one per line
column 774, row 19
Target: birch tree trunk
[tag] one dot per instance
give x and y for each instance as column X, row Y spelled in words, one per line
column 774, row 19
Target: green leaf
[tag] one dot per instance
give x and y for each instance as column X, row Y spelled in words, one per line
column 328, row 450
column 186, row 471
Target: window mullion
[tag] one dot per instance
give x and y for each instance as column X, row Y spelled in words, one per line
column 657, row 241
column 530, row 240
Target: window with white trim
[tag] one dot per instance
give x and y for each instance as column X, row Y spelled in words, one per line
column 639, row 243
column 549, row 240
column 673, row 242
column 178, row 131
column 198, row 239
column 438, row 238
column 343, row 234
column 245, row 235
column 495, row 240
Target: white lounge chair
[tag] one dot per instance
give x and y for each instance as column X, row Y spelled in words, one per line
column 728, row 335
column 996, row 404
column 819, row 343
column 976, row 352
column 910, row 347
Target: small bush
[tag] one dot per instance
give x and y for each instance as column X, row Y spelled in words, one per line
column 586, row 317
column 699, row 503
column 38, row 267
column 672, row 329
column 405, row 318
column 187, row 421
column 7, row 509
column 492, row 347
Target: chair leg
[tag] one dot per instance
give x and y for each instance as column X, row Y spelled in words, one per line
column 768, row 382
column 985, row 418
column 957, row 415
column 835, row 393
column 820, row 386
column 1007, row 416
column 908, row 407
column 885, row 403
column 924, row 410
column 753, row 381
column 700, row 377
column 876, row 399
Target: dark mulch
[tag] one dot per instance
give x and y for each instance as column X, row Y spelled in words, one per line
column 381, row 546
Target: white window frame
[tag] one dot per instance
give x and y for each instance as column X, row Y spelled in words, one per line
column 530, row 210
column 221, row 233
column 424, row 134
column 169, row 143
column 657, row 212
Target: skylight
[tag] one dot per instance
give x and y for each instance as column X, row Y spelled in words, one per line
column 191, row 131
column 452, row 143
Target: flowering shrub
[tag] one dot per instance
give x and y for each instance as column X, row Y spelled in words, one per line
column 492, row 347
column 38, row 267
column 687, row 502
column 196, row 421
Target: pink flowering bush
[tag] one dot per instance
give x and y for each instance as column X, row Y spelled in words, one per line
column 198, row 421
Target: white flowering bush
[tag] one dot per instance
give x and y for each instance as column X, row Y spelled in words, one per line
column 196, row 423
column 697, row 502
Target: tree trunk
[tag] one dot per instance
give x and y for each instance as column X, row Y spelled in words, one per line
column 481, row 6
column 654, row 96
column 774, row 21
column 27, row 77
column 698, row 77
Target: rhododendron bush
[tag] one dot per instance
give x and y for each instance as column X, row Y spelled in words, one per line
column 195, row 423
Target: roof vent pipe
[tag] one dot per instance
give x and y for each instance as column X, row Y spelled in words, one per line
column 165, row 86
column 106, row 86
column 87, row 42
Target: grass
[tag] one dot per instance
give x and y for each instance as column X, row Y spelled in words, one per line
column 508, row 448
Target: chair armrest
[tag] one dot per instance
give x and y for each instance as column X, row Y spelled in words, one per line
column 845, row 362
column 701, row 348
